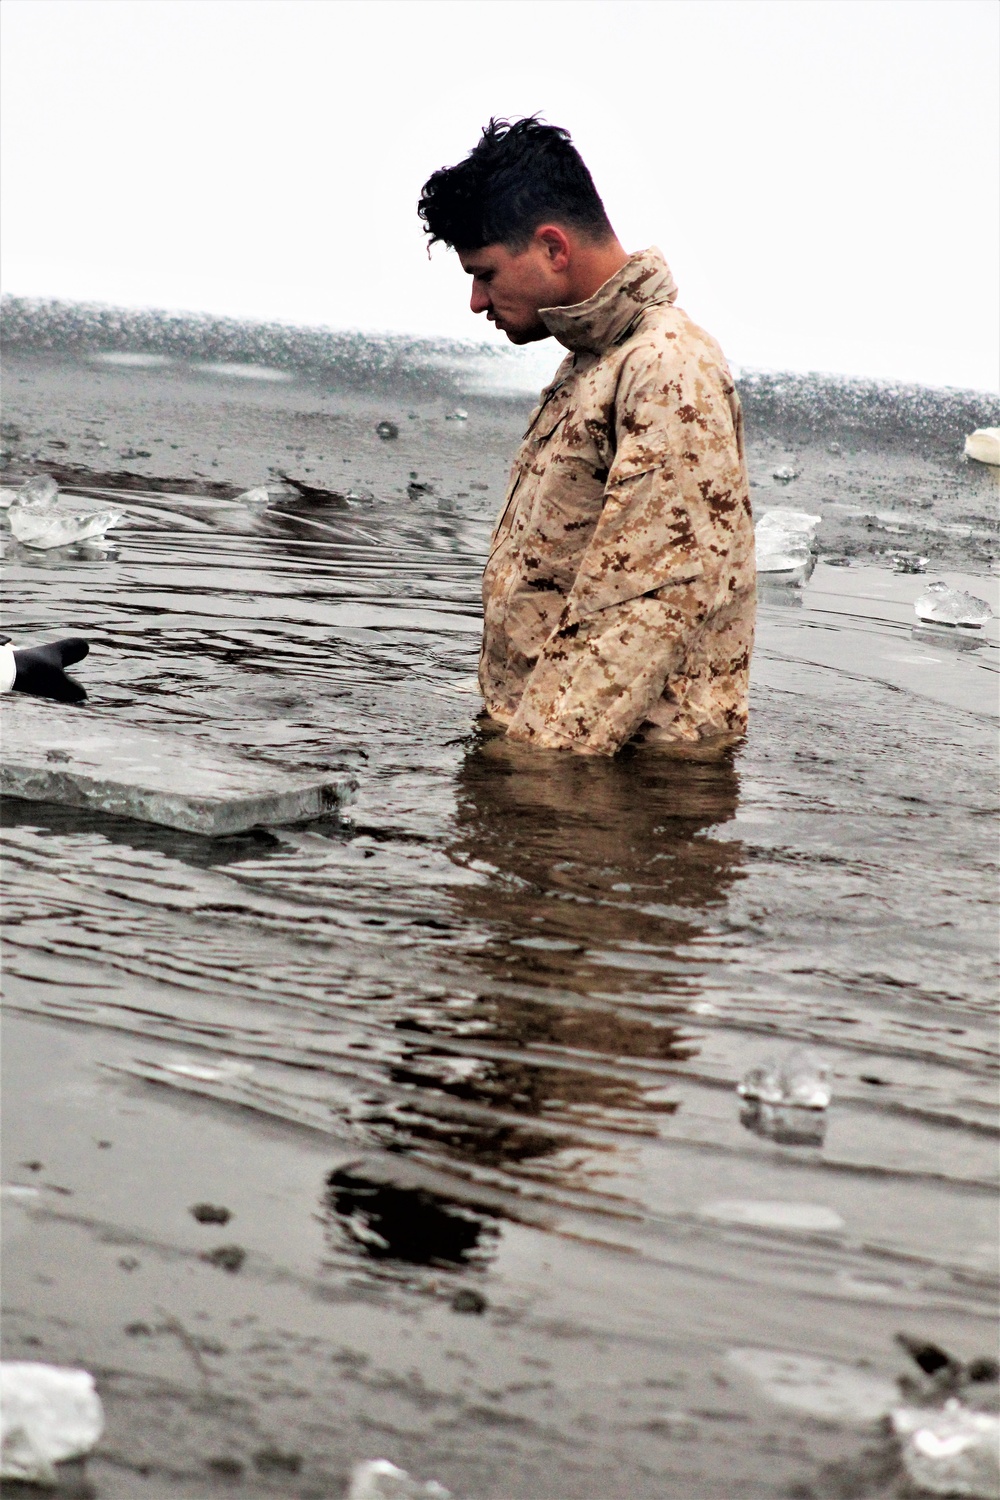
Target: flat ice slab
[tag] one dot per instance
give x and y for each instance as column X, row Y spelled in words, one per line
column 79, row 759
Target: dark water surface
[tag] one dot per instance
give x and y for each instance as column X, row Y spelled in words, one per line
column 483, row 1033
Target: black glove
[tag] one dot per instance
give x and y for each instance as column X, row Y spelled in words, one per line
column 40, row 670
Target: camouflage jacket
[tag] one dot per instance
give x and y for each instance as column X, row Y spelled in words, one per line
column 619, row 592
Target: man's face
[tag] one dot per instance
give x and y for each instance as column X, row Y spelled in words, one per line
column 510, row 286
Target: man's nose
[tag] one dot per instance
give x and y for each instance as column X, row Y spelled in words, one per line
column 480, row 301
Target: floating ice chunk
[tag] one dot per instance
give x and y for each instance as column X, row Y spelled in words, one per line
column 387, row 430
column 984, row 445
column 38, row 493
column 8, row 496
column 15, row 1192
column 819, row 1386
column 43, row 528
column 47, row 1415
column 458, row 415
column 769, row 1215
column 786, row 472
column 950, row 1450
column 942, row 605
column 257, row 496
column 800, row 1079
column 907, row 562
column 784, row 543
column 378, row 1479
column 223, row 1072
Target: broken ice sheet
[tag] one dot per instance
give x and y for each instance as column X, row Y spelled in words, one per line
column 821, row 1387
column 942, row 605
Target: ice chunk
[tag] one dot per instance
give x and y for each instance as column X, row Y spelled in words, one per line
column 907, row 562
column 47, row 1415
column 800, row 1079
column 950, row 1450
column 378, row 1479
column 786, row 472
column 8, row 496
column 984, row 445
column 819, row 1386
column 38, row 493
column 387, row 430
column 226, row 1071
column 942, row 605
column 784, row 542
column 76, row 759
column 761, row 1214
column 458, row 415
column 257, row 496
column 49, row 527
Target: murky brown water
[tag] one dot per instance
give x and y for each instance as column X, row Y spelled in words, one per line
column 505, row 1002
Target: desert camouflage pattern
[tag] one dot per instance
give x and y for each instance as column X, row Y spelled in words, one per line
column 619, row 595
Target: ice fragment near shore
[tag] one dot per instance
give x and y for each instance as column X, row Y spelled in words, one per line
column 784, row 543
column 984, row 445
column 257, row 496
column 378, row 1479
column 786, row 473
column 942, row 605
column 800, row 1079
column 47, row 1415
column 950, row 1451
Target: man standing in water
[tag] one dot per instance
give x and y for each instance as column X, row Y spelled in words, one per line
column 619, row 592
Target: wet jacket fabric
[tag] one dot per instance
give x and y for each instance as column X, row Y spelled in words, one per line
column 619, row 594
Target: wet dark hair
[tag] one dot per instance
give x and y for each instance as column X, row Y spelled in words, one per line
column 519, row 174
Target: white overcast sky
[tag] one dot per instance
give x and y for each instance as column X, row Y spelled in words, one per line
column 822, row 175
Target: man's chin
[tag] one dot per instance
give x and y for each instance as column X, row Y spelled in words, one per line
column 527, row 335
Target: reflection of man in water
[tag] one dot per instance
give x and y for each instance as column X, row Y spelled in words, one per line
column 595, row 884
column 619, row 592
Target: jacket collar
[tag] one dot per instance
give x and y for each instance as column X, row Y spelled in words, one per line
column 593, row 326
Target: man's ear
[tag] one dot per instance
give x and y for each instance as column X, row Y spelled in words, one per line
column 555, row 243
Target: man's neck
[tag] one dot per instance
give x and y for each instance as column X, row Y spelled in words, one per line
column 592, row 265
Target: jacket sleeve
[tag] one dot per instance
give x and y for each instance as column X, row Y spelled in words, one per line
column 675, row 508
